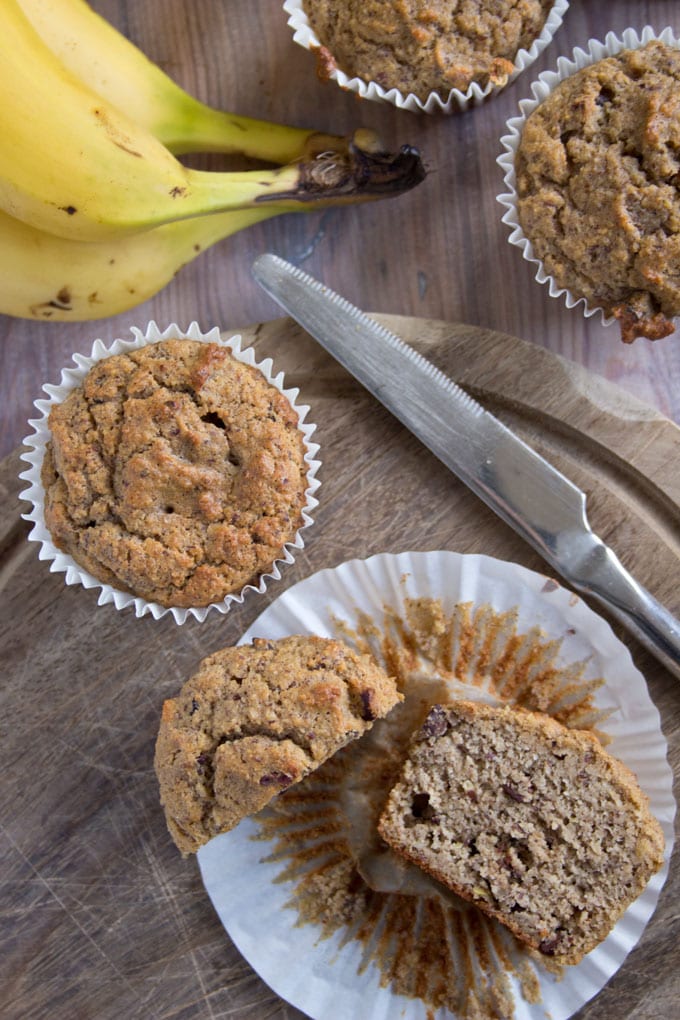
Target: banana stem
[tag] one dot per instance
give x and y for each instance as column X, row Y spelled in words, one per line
column 331, row 177
column 195, row 127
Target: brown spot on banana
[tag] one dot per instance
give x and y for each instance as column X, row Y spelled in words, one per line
column 126, row 148
column 61, row 302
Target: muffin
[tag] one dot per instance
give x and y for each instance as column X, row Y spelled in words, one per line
column 308, row 872
column 254, row 720
column 175, row 472
column 533, row 822
column 597, row 172
column 425, row 50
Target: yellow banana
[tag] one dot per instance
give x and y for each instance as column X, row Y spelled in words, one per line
column 47, row 277
column 73, row 165
column 117, row 70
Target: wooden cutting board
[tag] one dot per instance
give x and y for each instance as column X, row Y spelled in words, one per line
column 102, row 918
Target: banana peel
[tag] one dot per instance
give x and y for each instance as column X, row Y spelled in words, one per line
column 101, row 57
column 96, row 213
column 53, row 279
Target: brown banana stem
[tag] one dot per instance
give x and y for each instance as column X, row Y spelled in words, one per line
column 352, row 175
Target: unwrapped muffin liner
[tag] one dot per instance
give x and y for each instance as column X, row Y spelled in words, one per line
column 36, row 442
column 304, row 35
column 328, row 975
column 541, row 89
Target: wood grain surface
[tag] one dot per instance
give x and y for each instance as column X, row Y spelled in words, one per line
column 440, row 251
column 101, row 917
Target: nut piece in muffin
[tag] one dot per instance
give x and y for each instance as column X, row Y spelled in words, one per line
column 174, row 472
column 598, row 185
column 533, row 822
column 423, row 47
column 253, row 720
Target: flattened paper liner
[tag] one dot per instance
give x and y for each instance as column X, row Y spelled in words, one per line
column 327, row 975
column 35, row 494
column 456, row 100
column 541, row 89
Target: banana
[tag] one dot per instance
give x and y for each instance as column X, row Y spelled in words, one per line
column 51, row 278
column 73, row 165
column 101, row 57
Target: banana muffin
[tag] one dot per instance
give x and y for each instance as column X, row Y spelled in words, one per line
column 254, row 720
column 174, row 472
column 534, row 823
column 422, row 47
column 598, row 186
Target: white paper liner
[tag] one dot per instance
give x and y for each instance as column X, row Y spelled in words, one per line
column 541, row 89
column 73, row 377
column 321, row 977
column 456, row 100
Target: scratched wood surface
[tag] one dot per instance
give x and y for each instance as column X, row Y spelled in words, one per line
column 440, row 251
column 100, row 917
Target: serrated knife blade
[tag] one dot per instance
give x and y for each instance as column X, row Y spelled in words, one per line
column 524, row 489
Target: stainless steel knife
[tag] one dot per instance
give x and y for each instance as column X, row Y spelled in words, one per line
column 525, row 490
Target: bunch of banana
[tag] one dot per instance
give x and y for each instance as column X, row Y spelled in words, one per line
column 96, row 211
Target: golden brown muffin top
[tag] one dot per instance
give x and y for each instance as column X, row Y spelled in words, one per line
column 598, row 183
column 424, row 46
column 174, row 472
column 255, row 719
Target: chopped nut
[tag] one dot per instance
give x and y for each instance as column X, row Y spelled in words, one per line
column 368, row 715
column 512, row 792
column 436, row 724
column 549, row 946
column 276, row 779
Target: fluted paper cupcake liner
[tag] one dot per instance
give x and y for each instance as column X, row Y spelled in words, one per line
column 541, row 89
column 520, row 617
column 305, row 36
column 37, row 440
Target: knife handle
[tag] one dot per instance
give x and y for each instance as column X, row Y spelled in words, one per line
column 604, row 576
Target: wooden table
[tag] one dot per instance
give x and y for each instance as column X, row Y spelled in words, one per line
column 100, row 917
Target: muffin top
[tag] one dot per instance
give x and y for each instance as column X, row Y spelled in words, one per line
column 598, row 184
column 174, row 472
column 255, row 719
column 424, row 46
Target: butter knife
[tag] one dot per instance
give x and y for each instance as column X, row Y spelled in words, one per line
column 527, row 492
